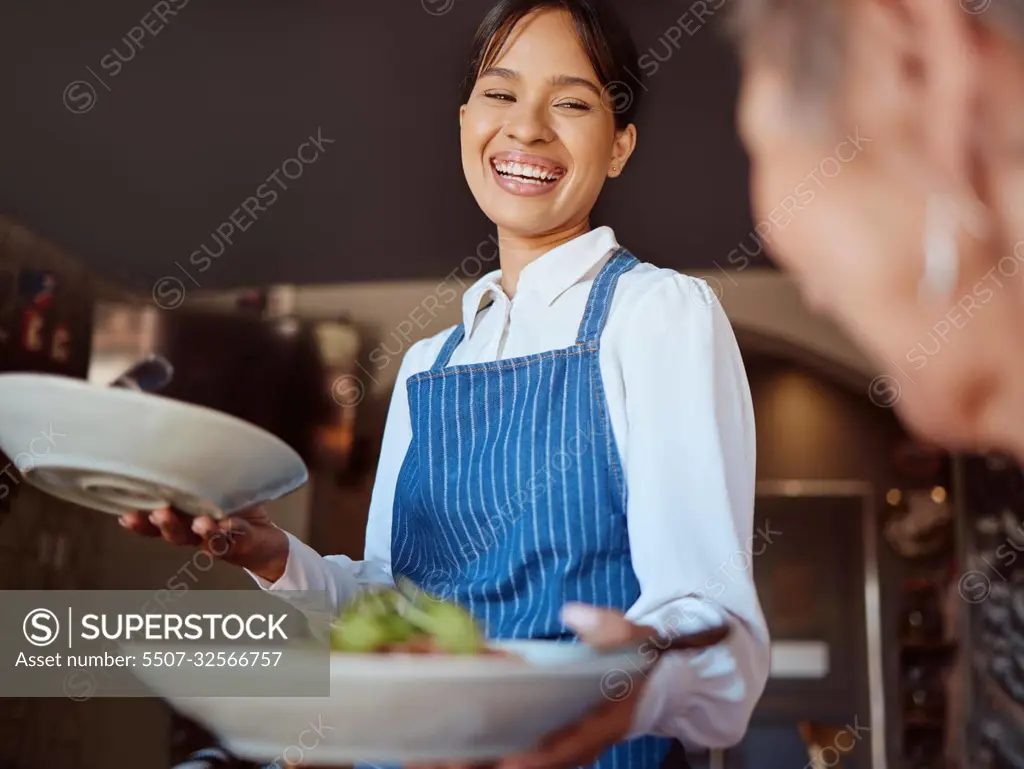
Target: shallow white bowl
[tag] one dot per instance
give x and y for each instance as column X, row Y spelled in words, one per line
column 118, row 450
column 407, row 709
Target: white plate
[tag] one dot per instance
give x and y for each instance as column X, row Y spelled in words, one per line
column 400, row 710
column 118, row 450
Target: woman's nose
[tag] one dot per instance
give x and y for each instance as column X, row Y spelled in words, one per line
column 529, row 124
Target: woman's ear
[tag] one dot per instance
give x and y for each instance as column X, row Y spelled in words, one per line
column 462, row 114
column 622, row 148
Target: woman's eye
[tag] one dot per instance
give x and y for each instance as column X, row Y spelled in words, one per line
column 499, row 96
column 578, row 105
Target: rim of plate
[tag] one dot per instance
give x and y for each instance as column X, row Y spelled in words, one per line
column 72, row 383
column 176, row 484
column 378, row 667
column 439, row 668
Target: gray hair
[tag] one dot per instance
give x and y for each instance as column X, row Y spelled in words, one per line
column 808, row 36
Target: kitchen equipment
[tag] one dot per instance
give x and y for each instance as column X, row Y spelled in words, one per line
column 151, row 374
column 922, row 619
column 924, row 690
column 401, row 709
column 118, row 450
column 817, row 737
column 923, row 524
column 208, row 758
column 261, row 370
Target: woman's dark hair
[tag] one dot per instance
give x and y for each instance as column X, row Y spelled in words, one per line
column 604, row 37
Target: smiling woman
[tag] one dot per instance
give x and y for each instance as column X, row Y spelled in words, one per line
column 575, row 459
column 527, row 87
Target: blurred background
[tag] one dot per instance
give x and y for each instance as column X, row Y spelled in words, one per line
column 270, row 195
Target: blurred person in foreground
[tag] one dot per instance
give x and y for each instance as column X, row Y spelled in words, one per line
column 916, row 243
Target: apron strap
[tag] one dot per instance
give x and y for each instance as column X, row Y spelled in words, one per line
column 598, row 305
column 599, row 302
column 449, row 347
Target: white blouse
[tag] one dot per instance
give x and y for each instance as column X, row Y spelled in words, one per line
column 683, row 420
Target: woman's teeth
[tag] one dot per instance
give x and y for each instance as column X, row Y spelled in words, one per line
column 523, row 172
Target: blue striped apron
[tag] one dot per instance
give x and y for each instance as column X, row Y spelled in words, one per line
column 511, row 499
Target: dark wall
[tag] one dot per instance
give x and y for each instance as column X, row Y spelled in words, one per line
column 134, row 164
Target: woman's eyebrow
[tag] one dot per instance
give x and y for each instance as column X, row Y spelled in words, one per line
column 508, row 74
column 574, row 80
column 558, row 80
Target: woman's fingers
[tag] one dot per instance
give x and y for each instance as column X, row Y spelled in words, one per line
column 139, row 524
column 603, row 628
column 160, row 523
column 173, row 527
column 221, row 538
column 204, row 526
column 245, row 539
column 235, row 527
column 579, row 744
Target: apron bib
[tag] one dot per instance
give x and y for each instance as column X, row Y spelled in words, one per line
column 511, row 500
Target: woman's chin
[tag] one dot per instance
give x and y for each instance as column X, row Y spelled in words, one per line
column 523, row 224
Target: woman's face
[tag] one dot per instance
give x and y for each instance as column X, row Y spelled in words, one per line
column 538, row 134
column 842, row 206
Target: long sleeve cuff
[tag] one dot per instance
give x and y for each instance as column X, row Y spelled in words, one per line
column 704, row 699
column 295, row 575
column 318, row 586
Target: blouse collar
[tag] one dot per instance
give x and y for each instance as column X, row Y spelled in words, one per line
column 547, row 277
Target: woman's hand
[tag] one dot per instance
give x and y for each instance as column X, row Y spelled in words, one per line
column 247, row 539
column 605, row 725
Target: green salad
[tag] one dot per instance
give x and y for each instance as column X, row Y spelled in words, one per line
column 405, row 619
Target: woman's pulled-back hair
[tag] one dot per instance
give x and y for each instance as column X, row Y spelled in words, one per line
column 602, row 34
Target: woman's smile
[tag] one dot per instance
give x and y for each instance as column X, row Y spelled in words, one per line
column 539, row 139
column 519, row 173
